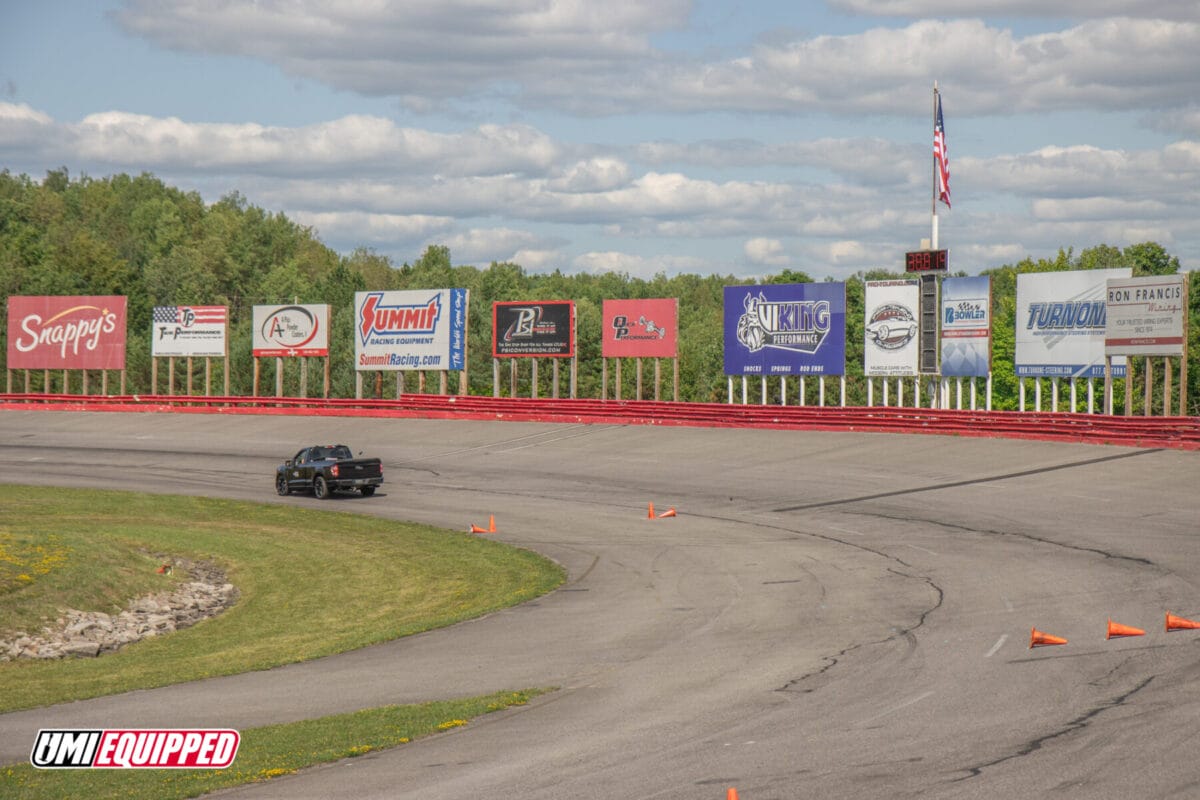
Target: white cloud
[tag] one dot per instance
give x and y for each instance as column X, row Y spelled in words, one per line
column 766, row 252
column 1060, row 9
column 591, row 58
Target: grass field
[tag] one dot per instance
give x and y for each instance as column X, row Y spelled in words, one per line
column 312, row 583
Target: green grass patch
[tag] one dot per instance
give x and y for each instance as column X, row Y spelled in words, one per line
column 312, row 583
column 264, row 753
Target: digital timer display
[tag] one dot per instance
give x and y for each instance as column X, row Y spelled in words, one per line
column 926, row 261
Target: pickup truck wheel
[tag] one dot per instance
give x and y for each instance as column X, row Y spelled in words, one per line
column 320, row 488
column 281, row 486
column 367, row 491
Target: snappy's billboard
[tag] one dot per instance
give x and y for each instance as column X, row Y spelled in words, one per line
column 67, row 332
column 418, row 329
column 640, row 328
column 291, row 331
column 785, row 329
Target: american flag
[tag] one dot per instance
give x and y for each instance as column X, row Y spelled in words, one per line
column 940, row 157
column 189, row 315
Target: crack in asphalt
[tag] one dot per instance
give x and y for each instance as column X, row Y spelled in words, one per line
column 969, row 482
column 1079, row 723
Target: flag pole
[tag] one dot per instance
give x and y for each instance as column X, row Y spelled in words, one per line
column 933, row 205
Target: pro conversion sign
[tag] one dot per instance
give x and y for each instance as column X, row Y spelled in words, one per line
column 1061, row 319
column 535, row 329
column 291, row 331
column 70, row 332
column 1145, row 316
column 419, row 329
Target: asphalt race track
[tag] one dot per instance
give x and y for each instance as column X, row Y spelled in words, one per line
column 830, row 615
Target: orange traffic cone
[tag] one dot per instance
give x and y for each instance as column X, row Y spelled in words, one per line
column 476, row 529
column 651, row 514
column 1039, row 639
column 1117, row 629
column 491, row 523
column 1175, row 623
column 670, row 512
column 731, row 794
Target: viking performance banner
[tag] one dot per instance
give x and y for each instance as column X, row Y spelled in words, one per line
column 70, row 332
column 785, row 329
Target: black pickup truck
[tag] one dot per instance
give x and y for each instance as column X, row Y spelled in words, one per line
column 322, row 469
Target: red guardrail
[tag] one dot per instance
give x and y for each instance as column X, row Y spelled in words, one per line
column 1174, row 432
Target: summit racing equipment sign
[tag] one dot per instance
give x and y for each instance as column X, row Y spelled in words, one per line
column 69, row 332
column 785, row 329
column 135, row 748
column 420, row 329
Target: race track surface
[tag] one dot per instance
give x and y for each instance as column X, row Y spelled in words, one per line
column 830, row 615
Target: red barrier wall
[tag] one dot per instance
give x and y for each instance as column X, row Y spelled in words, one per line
column 1174, row 432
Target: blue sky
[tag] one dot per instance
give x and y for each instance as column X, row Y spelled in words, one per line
column 727, row 137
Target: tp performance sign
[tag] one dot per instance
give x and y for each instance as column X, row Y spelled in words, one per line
column 188, row 331
column 418, row 329
column 1061, row 319
column 1145, row 316
column 640, row 328
column 135, row 748
column 47, row 332
column 290, row 331
column 966, row 327
column 535, row 329
column 785, row 329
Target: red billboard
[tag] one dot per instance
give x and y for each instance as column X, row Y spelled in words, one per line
column 72, row 332
column 640, row 328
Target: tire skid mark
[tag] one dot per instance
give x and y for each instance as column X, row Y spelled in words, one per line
column 969, row 482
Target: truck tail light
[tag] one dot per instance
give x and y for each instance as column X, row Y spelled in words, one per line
column 334, row 470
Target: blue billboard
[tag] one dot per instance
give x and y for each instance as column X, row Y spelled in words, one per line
column 785, row 329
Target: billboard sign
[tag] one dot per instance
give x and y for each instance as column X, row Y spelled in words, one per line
column 1145, row 316
column 640, row 328
column 891, row 328
column 785, row 329
column 534, row 329
column 69, row 332
column 966, row 327
column 291, row 331
column 188, row 331
column 1061, row 318
column 417, row 329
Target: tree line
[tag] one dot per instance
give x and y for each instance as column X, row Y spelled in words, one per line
column 157, row 245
